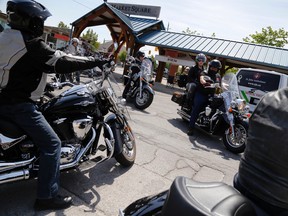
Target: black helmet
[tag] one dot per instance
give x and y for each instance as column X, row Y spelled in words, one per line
column 215, row 63
column 27, row 15
column 202, row 57
column 140, row 54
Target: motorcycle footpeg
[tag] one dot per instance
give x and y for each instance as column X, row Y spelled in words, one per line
column 102, row 147
column 84, row 158
column 98, row 159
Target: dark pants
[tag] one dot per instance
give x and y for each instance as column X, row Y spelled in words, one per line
column 199, row 103
column 36, row 127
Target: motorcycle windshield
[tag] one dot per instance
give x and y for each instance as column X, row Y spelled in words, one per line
column 229, row 84
column 230, row 89
column 146, row 69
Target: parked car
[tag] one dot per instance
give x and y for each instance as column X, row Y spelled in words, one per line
column 255, row 83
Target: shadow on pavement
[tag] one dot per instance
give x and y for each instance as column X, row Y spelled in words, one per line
column 212, row 143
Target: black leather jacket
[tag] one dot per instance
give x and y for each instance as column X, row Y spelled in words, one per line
column 24, row 65
column 263, row 168
column 194, row 74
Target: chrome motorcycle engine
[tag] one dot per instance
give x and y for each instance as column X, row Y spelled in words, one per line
column 81, row 127
column 69, row 153
column 76, row 129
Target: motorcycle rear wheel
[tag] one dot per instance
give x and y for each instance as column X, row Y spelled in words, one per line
column 236, row 144
column 124, row 137
column 145, row 101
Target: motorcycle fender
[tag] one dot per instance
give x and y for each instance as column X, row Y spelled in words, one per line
column 245, row 121
column 109, row 120
column 147, row 206
column 144, row 87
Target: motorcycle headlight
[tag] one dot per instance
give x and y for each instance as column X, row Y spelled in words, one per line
column 241, row 104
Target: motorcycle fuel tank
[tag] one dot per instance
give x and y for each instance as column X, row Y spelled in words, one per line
column 73, row 101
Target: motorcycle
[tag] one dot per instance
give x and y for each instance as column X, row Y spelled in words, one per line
column 140, row 85
column 226, row 114
column 78, row 115
column 188, row 197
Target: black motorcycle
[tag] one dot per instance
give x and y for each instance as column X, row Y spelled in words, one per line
column 139, row 85
column 78, row 116
column 187, row 197
column 225, row 115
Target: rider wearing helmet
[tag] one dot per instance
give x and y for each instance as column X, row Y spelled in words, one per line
column 135, row 68
column 25, row 61
column 202, row 94
column 193, row 77
column 72, row 49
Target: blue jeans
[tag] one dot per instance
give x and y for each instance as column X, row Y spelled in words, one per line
column 33, row 123
column 199, row 103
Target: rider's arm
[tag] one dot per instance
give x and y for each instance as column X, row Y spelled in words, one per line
column 202, row 81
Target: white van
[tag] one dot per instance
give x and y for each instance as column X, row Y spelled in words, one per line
column 254, row 83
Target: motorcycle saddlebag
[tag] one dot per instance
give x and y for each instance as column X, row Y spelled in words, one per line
column 178, row 97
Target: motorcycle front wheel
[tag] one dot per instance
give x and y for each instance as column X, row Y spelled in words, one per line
column 237, row 143
column 124, row 137
column 145, row 101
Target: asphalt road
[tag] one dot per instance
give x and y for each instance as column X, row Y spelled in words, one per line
column 164, row 151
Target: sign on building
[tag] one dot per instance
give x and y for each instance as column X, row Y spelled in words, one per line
column 175, row 61
column 134, row 9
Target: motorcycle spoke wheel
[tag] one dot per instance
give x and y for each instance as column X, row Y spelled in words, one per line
column 237, row 143
column 144, row 101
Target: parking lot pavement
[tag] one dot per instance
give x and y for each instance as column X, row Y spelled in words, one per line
column 164, row 151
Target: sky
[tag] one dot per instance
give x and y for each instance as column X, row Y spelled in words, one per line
column 228, row 19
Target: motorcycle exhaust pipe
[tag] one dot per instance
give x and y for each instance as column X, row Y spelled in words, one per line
column 183, row 115
column 14, row 176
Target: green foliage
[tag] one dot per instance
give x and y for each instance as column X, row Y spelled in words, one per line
column 190, row 32
column 122, row 56
column 232, row 70
column 268, row 36
column 62, row 25
column 92, row 38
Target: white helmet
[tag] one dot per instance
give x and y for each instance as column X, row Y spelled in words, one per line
column 75, row 40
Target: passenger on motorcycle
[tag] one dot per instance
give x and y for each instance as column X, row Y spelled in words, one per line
column 203, row 93
column 193, row 77
column 135, row 68
column 25, row 60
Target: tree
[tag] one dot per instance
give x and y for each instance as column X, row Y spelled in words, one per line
column 62, row 25
column 190, row 32
column 122, row 56
column 92, row 37
column 268, row 36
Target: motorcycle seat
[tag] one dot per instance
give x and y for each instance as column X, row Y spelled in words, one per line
column 189, row 197
column 9, row 129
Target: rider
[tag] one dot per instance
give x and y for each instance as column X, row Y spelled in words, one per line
column 25, row 61
column 193, row 77
column 202, row 93
column 263, row 169
column 72, row 49
column 135, row 68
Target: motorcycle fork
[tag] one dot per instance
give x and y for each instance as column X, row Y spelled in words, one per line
column 231, row 128
column 96, row 141
column 140, row 86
